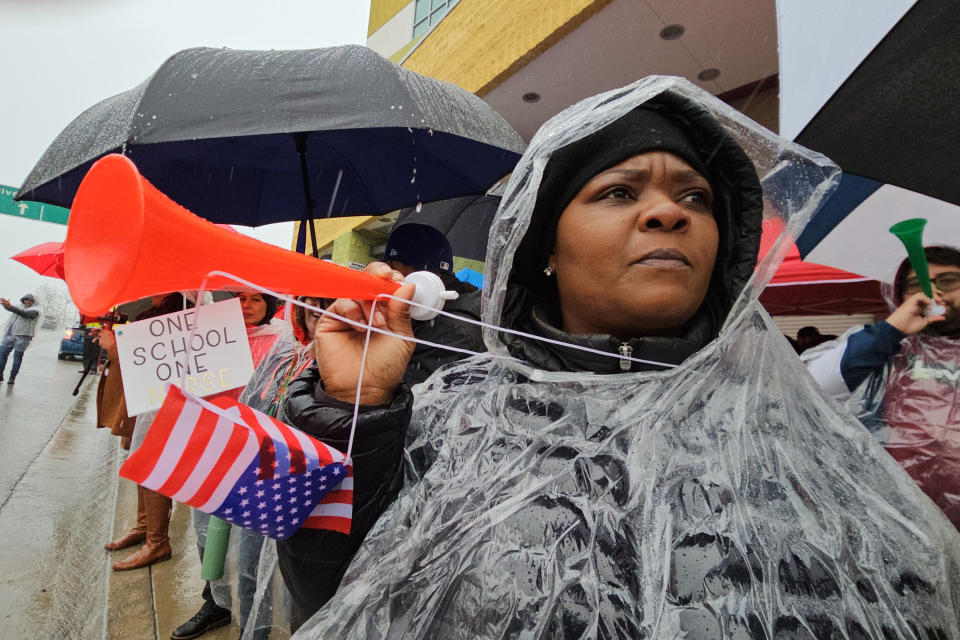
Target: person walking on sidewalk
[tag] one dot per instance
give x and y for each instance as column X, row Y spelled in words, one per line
column 18, row 333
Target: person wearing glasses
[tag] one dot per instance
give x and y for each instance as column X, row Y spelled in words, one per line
column 901, row 377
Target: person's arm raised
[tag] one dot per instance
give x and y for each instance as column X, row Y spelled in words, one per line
column 338, row 346
column 909, row 317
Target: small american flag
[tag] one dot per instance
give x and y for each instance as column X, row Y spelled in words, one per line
column 231, row 461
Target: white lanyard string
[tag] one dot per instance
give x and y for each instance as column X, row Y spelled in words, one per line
column 531, row 336
column 369, row 328
column 453, row 316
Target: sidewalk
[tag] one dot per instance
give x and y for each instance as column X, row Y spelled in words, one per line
column 150, row 603
column 61, row 500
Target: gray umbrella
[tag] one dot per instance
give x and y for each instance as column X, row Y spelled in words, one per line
column 248, row 137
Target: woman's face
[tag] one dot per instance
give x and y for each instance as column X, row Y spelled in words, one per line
column 310, row 317
column 635, row 248
column 254, row 307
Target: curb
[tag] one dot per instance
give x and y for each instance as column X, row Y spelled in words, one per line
column 149, row 603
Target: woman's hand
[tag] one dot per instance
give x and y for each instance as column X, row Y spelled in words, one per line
column 909, row 318
column 338, row 346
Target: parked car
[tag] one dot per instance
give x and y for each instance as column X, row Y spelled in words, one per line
column 71, row 346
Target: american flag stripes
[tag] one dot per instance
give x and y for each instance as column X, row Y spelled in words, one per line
column 236, row 463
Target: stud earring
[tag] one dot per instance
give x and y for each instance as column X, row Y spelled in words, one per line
column 548, row 271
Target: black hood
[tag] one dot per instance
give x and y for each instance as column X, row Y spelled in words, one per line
column 530, row 301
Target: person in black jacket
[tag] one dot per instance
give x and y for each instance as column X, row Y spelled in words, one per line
column 312, row 561
column 420, row 247
column 646, row 459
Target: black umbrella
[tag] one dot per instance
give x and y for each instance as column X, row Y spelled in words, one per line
column 894, row 119
column 464, row 221
column 250, row 137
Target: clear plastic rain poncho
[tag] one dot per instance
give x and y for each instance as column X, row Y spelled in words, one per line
column 724, row 498
column 251, row 582
column 911, row 406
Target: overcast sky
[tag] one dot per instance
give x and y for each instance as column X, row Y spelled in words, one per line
column 61, row 56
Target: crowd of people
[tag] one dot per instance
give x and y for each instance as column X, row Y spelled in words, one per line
column 283, row 385
column 628, row 453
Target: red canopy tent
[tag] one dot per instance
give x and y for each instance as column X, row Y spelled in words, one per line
column 804, row 288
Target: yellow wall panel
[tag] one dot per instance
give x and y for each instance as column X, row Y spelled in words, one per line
column 328, row 229
column 398, row 56
column 481, row 43
column 383, row 10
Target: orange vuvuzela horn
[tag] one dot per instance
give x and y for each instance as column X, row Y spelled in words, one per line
column 126, row 240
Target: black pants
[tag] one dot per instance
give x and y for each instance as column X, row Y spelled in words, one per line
column 313, row 563
column 91, row 353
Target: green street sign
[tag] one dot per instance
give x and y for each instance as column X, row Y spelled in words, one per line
column 31, row 210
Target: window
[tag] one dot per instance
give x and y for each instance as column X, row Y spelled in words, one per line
column 427, row 13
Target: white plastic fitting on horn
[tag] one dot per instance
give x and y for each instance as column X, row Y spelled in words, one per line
column 430, row 292
column 933, row 309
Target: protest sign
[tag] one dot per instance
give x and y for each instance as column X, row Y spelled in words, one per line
column 154, row 353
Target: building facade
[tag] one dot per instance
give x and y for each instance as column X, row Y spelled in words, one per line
column 530, row 59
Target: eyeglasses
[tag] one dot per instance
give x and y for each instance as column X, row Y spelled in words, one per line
column 945, row 282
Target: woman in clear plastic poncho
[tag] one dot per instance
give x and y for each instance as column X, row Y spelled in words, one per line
column 569, row 494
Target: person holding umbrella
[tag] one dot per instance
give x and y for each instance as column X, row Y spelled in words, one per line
column 900, row 377
column 266, row 390
column 18, row 332
column 639, row 454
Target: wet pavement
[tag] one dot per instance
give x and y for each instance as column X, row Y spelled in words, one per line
column 60, row 500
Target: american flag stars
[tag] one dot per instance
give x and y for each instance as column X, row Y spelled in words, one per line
column 281, row 504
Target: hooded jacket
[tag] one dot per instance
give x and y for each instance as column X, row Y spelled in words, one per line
column 721, row 498
column 906, row 391
column 23, row 321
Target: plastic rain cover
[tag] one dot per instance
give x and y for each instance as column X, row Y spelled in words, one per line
column 912, row 407
column 251, row 555
column 725, row 498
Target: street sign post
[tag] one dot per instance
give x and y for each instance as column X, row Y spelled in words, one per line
column 30, row 210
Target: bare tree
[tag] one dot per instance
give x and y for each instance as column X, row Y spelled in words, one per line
column 54, row 300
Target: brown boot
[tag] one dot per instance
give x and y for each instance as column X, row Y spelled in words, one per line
column 139, row 532
column 157, row 545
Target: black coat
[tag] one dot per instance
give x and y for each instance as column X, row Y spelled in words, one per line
column 448, row 332
column 724, row 498
column 312, row 561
